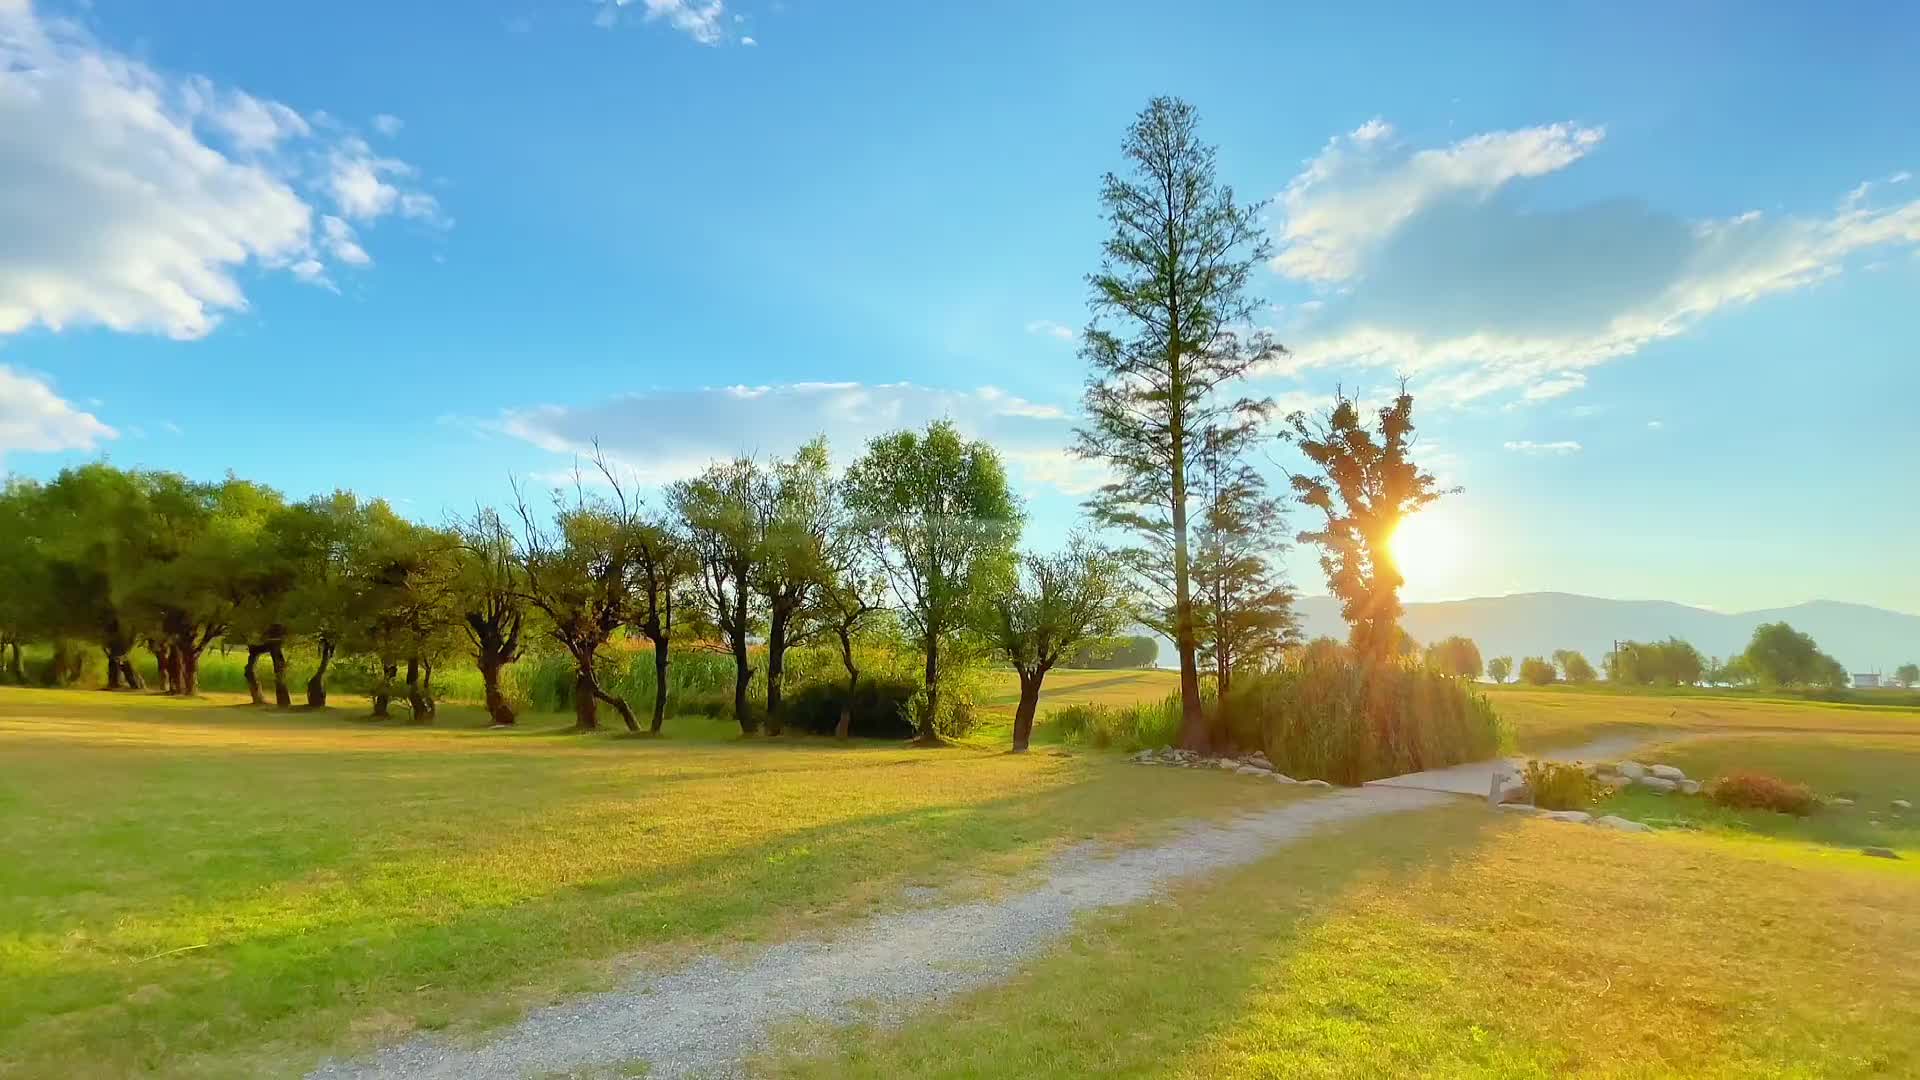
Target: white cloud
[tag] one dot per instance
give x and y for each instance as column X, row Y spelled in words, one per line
column 1527, row 446
column 34, row 418
column 388, row 124
column 1363, row 186
column 1564, row 383
column 1428, row 262
column 1656, row 425
column 340, row 241
column 705, row 21
column 366, row 186
column 1049, row 328
column 664, row 435
column 749, row 42
column 134, row 199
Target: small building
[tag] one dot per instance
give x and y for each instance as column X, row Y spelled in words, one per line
column 1866, row 680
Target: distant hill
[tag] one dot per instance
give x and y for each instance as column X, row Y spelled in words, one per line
column 1862, row 638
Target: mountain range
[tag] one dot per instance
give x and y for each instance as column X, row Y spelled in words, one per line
column 1862, row 638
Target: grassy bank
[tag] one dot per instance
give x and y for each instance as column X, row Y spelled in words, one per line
column 205, row 889
column 1454, row 943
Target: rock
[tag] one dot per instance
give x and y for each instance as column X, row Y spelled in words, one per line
column 1622, row 824
column 1282, row 778
column 1520, row 807
column 1901, row 804
column 1250, row 770
column 1146, row 757
column 1690, row 787
column 1657, row 785
column 1315, row 783
column 1224, row 763
column 1880, row 852
column 1667, row 772
column 1519, row 794
column 1578, row 817
column 1632, row 770
column 1838, row 801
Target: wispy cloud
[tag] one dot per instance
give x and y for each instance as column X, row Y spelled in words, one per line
column 1430, row 264
column 663, row 435
column 131, row 198
column 1527, row 446
column 1049, row 328
column 705, row 21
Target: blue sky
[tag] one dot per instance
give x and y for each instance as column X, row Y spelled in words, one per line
column 1651, row 271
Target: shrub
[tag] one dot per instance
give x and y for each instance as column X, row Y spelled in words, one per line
column 1346, row 721
column 881, row 708
column 1759, row 791
column 1559, row 786
column 1135, row 727
column 1536, row 671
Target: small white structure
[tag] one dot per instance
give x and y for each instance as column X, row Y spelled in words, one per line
column 1866, row 680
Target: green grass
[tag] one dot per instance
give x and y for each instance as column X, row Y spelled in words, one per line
column 206, row 889
column 1569, row 716
column 1455, row 943
column 1871, row 770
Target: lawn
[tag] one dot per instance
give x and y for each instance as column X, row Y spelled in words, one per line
column 203, row 889
column 1083, row 687
column 1872, row 770
column 1454, row 943
column 1548, row 718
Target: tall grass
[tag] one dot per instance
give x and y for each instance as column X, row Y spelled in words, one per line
column 1350, row 722
column 1131, row 727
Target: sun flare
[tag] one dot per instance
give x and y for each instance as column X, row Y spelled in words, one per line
column 1429, row 549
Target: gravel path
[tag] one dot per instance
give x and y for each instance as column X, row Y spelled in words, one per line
column 707, row 1018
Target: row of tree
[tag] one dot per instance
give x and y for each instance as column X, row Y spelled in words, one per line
column 1777, row 655
column 922, row 525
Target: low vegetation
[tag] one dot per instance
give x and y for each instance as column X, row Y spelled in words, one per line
column 204, row 889
column 1750, row 790
column 1453, row 943
column 1347, row 722
column 1560, row 785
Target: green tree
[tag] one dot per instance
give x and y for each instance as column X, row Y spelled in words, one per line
column 1053, row 603
column 1164, row 344
column 941, row 524
column 487, row 588
column 1243, row 607
column 578, row 571
column 328, row 540
column 1458, row 656
column 667, row 569
column 1672, row 662
column 1364, row 486
column 1907, row 675
column 1574, row 667
column 795, row 565
column 23, row 572
column 1112, row 653
column 1779, row 655
column 1536, row 671
column 414, row 611
column 724, row 511
column 1500, row 668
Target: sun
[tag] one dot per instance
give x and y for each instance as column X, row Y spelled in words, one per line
column 1429, row 549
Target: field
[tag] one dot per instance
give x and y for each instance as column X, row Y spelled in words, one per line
column 201, row 889
column 205, row 889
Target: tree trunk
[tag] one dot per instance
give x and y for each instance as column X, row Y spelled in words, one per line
column 845, row 726
column 282, row 697
column 497, row 707
column 113, row 668
column 383, row 694
column 1029, row 704
column 661, row 660
column 254, row 653
column 317, row 686
column 419, row 700
column 131, row 674
column 586, row 708
column 163, row 662
column 932, row 709
column 776, row 666
column 15, row 670
column 742, row 675
column 620, row 706
column 188, row 661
